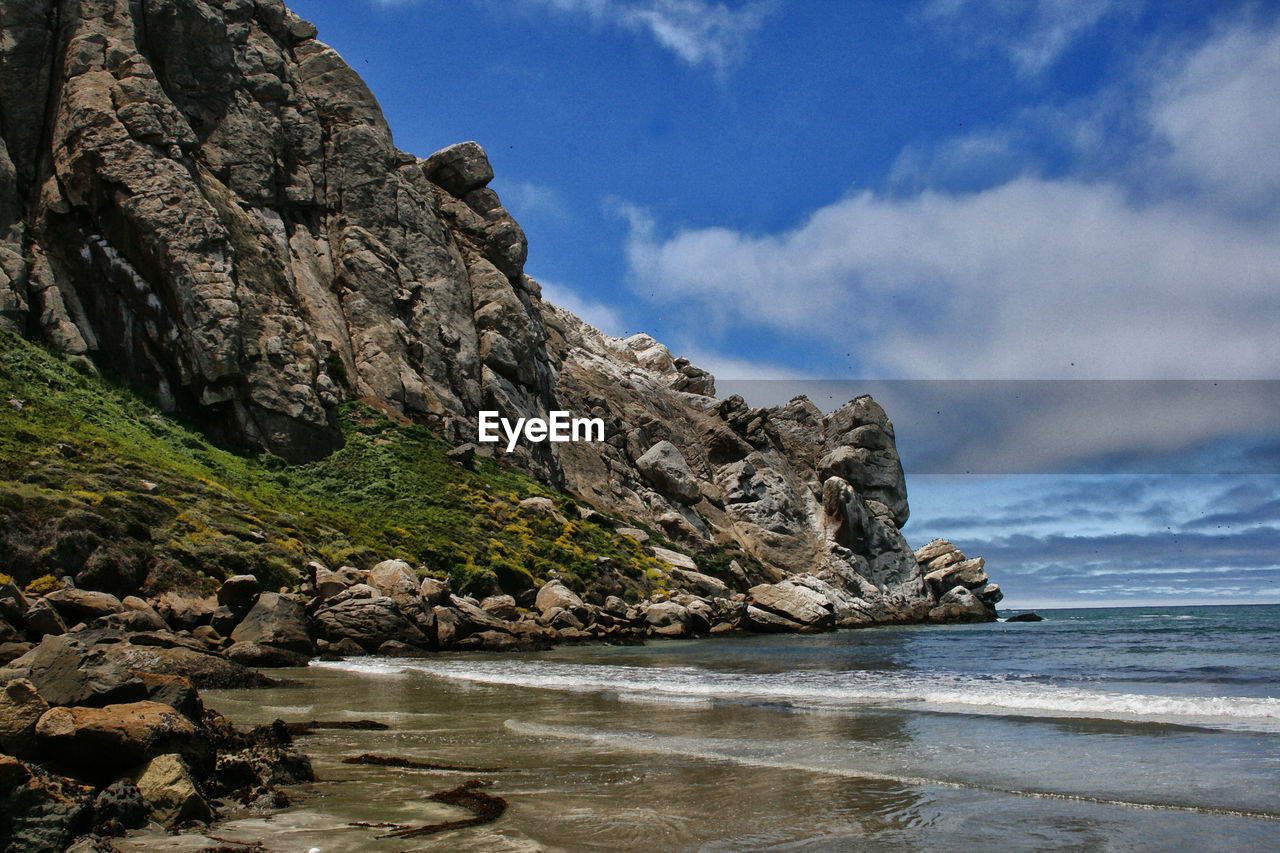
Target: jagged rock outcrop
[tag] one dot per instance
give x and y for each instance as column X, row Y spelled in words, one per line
column 206, row 200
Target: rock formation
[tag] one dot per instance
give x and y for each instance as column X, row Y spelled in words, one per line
column 202, row 198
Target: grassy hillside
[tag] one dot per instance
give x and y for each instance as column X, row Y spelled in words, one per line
column 97, row 484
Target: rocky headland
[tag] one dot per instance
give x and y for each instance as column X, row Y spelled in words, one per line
column 201, row 206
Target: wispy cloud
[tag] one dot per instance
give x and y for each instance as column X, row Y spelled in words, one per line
column 528, row 199
column 1033, row 33
column 730, row 368
column 699, row 32
column 1217, row 111
column 590, row 311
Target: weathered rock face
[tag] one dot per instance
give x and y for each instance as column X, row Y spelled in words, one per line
column 208, row 202
column 212, row 205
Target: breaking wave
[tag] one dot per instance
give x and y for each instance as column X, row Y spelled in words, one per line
column 838, row 690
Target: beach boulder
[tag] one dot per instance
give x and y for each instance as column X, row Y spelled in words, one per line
column 795, row 602
column 276, row 620
column 42, row 811
column 99, row 741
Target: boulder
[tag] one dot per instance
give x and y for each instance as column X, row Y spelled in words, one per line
column 674, row 558
column 20, row 708
column 83, row 605
column 99, row 741
column 67, row 672
column 448, row 625
column 263, row 655
column 494, row 641
column 368, row 622
column 849, row 610
column 346, row 648
column 394, row 578
column 460, row 168
column 991, row 594
column 634, row 533
column 134, row 604
column 225, row 620
column 206, row 671
column 1025, row 617
column 8, row 634
column 176, row 691
column 208, row 635
column 668, row 619
column 42, row 811
column 969, row 574
column 555, row 594
column 500, row 607
column 13, row 604
column 434, row 591
column 239, row 591
column 277, row 620
column 543, row 506
column 795, row 602
column 948, row 559
column 758, row 619
column 119, row 807
column 472, row 619
column 170, row 793
column 132, row 621
column 463, row 454
column 664, row 467
column 700, row 583
column 329, row 583
column 960, row 605
column 42, row 619
column 933, row 550
column 561, row 619
column 12, row 651
column 184, row 612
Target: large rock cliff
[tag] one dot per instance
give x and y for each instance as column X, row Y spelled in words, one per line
column 202, row 198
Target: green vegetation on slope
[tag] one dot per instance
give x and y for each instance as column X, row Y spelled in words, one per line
column 99, row 485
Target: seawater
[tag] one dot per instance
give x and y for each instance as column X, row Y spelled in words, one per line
column 1099, row 729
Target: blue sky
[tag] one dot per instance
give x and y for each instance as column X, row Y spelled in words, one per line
column 931, row 190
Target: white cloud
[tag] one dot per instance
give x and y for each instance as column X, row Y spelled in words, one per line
column 1033, row 278
column 608, row 320
column 593, row 313
column 728, row 368
column 1219, row 111
column 697, row 31
column 526, row 199
column 1034, row 33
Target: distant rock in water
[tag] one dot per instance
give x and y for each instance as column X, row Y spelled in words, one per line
column 206, row 201
column 1025, row 617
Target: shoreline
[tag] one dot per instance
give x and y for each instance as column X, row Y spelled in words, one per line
column 447, row 749
column 543, row 740
column 101, row 695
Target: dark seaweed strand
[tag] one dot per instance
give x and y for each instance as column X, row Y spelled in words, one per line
column 486, row 808
column 354, row 725
column 393, row 761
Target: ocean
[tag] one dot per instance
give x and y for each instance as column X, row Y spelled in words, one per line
column 1151, row 728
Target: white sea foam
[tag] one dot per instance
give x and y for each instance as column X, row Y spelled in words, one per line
column 825, row 690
